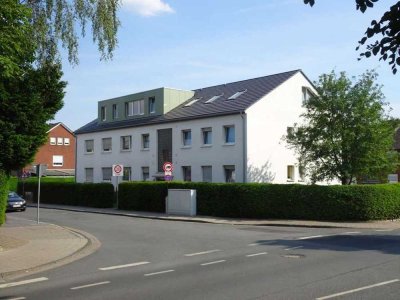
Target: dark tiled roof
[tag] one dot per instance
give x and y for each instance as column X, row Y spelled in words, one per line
column 255, row 89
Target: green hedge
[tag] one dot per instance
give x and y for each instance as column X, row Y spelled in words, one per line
column 99, row 195
column 3, row 196
column 272, row 201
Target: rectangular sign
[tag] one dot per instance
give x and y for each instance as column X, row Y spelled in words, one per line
column 117, row 170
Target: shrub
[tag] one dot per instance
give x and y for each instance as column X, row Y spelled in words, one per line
column 99, row 195
column 3, row 196
column 271, row 201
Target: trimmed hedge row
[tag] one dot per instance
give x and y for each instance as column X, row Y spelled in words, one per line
column 3, row 196
column 99, row 195
column 272, row 201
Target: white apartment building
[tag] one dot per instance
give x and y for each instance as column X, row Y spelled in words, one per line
column 225, row 133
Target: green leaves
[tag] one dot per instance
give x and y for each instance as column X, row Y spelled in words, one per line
column 345, row 133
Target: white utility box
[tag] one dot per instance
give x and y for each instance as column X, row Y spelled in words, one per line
column 181, row 202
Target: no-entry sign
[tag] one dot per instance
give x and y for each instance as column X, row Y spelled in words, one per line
column 118, row 170
column 168, row 167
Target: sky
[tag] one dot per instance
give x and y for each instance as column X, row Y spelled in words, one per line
column 190, row 44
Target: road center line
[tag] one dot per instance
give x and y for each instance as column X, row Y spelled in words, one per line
column 11, row 284
column 201, row 253
column 298, row 247
column 383, row 230
column 256, row 254
column 359, row 289
column 124, row 266
column 311, row 237
column 89, row 285
column 19, row 298
column 351, row 232
column 213, row 262
column 158, row 273
column 258, row 244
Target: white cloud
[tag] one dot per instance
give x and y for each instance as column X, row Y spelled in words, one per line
column 147, row 8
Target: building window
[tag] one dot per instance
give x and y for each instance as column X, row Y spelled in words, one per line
column 187, row 137
column 89, row 146
column 302, row 173
column 207, row 173
column 152, row 105
column 60, row 141
column 103, row 113
column 66, row 141
column 207, row 136
column 88, row 174
column 187, row 173
column 145, row 173
column 52, row 141
column 145, row 141
column 107, row 144
column 135, row 108
column 126, row 143
column 230, row 175
column 107, row 173
column 306, row 94
column 115, row 111
column 127, row 174
column 290, row 173
column 58, row 160
column 229, row 134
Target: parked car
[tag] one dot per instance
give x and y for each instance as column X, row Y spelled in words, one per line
column 15, row 202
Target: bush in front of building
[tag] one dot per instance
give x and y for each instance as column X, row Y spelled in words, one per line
column 272, row 201
column 100, row 195
column 3, row 196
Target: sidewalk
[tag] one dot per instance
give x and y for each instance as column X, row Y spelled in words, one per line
column 387, row 224
column 27, row 247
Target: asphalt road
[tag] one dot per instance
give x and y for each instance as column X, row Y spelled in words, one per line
column 154, row 259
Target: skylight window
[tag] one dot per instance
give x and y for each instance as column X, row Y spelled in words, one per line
column 237, row 95
column 192, row 102
column 212, row 99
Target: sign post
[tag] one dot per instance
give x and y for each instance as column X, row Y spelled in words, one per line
column 118, row 171
column 168, row 167
column 39, row 174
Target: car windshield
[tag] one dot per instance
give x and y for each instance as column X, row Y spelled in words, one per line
column 12, row 194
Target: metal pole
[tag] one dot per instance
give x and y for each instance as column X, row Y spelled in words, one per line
column 38, row 200
column 117, row 190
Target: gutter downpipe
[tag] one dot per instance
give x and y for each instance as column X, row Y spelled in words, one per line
column 243, row 115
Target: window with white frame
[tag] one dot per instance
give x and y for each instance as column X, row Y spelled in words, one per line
column 58, row 160
column 126, row 143
column 53, row 141
column 152, row 105
column 187, row 137
column 107, row 144
column 107, row 174
column 88, row 174
column 66, row 141
column 145, row 141
column 229, row 132
column 127, row 175
column 306, row 94
column 290, row 173
column 187, row 173
column 103, row 113
column 145, row 173
column 207, row 136
column 89, row 146
column 60, row 141
column 115, row 111
column 207, row 173
column 135, row 108
column 230, row 174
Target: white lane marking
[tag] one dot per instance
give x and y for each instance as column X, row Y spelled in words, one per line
column 298, row 247
column 258, row 244
column 351, row 232
column 157, row 273
column 124, row 266
column 256, row 254
column 359, row 289
column 90, row 285
column 11, row 284
column 383, row 230
column 204, row 252
column 213, row 262
column 19, row 298
column 311, row 237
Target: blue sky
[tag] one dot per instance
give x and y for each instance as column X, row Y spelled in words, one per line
column 190, row 44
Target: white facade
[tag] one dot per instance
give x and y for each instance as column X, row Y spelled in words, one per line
column 259, row 132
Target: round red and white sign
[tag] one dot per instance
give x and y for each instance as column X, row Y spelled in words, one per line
column 117, row 170
column 168, row 167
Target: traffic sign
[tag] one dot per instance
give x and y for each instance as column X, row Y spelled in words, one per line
column 168, row 178
column 168, row 167
column 118, row 170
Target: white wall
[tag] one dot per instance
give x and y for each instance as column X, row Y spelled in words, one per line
column 267, row 122
column 195, row 156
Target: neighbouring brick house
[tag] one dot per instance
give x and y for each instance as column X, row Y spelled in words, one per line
column 58, row 153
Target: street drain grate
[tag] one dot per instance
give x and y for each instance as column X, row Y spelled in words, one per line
column 293, row 256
